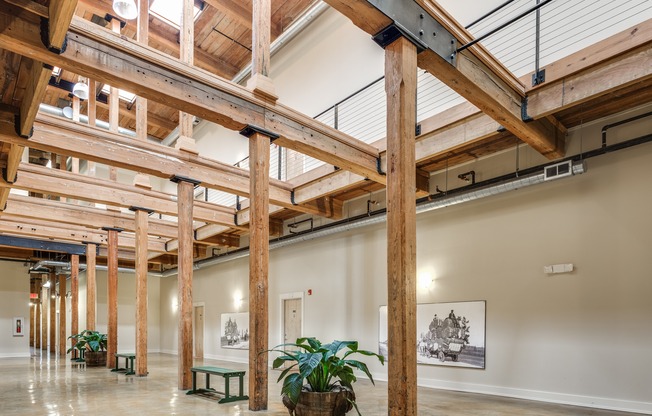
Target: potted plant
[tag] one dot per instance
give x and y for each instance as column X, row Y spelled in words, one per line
column 329, row 378
column 93, row 343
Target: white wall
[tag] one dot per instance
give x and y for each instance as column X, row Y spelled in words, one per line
column 14, row 298
column 326, row 63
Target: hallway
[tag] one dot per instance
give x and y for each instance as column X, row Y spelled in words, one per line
column 45, row 385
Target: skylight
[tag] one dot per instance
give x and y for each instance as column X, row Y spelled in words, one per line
column 169, row 11
column 124, row 95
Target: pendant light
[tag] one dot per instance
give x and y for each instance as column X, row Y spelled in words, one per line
column 126, row 9
column 80, row 90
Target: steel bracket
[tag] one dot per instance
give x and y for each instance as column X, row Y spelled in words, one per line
column 413, row 22
column 45, row 38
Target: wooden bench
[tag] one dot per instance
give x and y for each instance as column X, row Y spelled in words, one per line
column 227, row 374
column 129, row 363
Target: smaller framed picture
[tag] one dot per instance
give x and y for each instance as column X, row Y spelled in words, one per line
column 19, row 326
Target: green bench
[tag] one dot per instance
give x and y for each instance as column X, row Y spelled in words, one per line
column 129, row 363
column 223, row 372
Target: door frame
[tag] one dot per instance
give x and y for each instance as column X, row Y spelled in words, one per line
column 283, row 298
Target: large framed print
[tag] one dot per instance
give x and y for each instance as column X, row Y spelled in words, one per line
column 234, row 332
column 448, row 333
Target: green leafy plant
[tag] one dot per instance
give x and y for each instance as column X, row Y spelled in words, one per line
column 320, row 366
column 88, row 340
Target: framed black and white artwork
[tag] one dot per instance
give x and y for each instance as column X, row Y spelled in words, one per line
column 234, row 332
column 448, row 333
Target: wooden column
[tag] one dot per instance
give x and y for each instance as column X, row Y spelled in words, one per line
column 259, row 82
column 45, row 296
column 142, row 223
column 112, row 295
column 62, row 315
column 187, row 55
column 259, row 143
column 142, row 36
column 74, row 161
column 185, row 187
column 91, row 286
column 114, row 112
column 400, row 86
column 74, row 299
column 32, row 322
column 37, row 324
column 92, row 116
column 53, row 313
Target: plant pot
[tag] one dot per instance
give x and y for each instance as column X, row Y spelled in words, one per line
column 333, row 403
column 95, row 358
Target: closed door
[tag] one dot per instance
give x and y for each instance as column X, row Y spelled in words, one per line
column 291, row 320
column 198, row 327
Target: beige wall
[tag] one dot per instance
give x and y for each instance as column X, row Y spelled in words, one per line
column 14, row 298
column 580, row 338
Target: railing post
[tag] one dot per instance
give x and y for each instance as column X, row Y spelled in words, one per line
column 539, row 75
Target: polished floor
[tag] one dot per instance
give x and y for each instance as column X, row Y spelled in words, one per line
column 45, row 385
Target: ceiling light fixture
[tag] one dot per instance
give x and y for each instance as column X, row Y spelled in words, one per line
column 126, row 9
column 67, row 112
column 80, row 90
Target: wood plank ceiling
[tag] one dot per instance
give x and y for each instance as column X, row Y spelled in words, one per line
column 222, row 46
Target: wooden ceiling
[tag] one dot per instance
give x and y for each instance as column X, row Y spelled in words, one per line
column 223, row 48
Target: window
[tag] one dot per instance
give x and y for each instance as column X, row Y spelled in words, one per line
column 170, row 11
column 124, row 95
column 56, row 71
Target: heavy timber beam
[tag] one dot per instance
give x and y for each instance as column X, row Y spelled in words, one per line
column 60, row 13
column 65, row 184
column 141, row 292
column 401, row 89
column 91, row 287
column 37, row 84
column 632, row 67
column 622, row 56
column 61, row 212
column 56, row 135
column 112, row 295
column 473, row 74
column 99, row 54
column 74, row 299
column 259, row 270
column 16, row 225
column 184, row 281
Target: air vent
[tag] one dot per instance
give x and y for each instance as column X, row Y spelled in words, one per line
column 559, row 170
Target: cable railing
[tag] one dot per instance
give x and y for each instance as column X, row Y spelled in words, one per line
column 536, row 33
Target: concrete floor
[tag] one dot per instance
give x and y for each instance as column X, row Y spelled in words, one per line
column 45, row 385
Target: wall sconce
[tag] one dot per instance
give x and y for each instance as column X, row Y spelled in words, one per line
column 425, row 279
column 237, row 300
